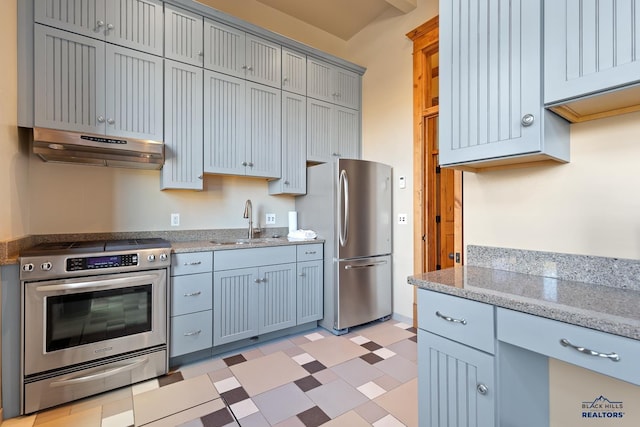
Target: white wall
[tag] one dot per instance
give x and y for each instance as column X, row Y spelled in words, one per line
column 13, row 164
column 589, row 206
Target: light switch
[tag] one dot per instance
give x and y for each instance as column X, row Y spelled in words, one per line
column 402, row 181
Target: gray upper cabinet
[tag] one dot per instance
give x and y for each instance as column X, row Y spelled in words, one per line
column 491, row 108
column 332, row 131
column 242, row 127
column 88, row 86
column 136, row 24
column 231, row 51
column 333, row 84
column 293, row 179
column 591, row 47
column 294, row 71
column 183, row 113
column 183, row 36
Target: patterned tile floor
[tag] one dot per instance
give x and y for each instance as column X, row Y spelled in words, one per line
column 366, row 377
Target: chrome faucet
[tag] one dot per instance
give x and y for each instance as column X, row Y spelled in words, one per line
column 248, row 208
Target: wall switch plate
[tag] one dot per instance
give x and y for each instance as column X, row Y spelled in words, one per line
column 270, row 218
column 402, row 182
column 402, row 219
column 175, row 219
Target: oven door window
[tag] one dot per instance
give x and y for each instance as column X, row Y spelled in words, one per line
column 88, row 317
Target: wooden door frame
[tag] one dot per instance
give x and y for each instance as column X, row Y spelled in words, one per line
column 425, row 40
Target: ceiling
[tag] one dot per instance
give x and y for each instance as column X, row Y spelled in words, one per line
column 342, row 18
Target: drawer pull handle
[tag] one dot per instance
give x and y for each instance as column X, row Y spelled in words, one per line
column 193, row 294
column 611, row 356
column 190, row 334
column 193, row 263
column 451, row 319
column 309, row 252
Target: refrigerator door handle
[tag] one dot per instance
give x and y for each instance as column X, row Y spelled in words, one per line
column 344, row 199
column 369, row 265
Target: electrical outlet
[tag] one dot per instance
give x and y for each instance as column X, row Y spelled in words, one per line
column 402, row 219
column 175, row 219
column 270, row 218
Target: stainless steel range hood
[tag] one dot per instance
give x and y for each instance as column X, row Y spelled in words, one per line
column 97, row 150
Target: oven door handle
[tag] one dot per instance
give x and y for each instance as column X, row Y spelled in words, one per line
column 92, row 377
column 95, row 283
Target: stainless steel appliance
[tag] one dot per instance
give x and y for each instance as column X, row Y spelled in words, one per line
column 97, row 150
column 348, row 203
column 93, row 318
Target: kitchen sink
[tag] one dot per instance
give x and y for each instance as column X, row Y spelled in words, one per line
column 246, row 241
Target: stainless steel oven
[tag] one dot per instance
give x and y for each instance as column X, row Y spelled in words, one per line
column 94, row 317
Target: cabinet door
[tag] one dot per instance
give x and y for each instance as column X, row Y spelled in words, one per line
column 69, row 81
column 224, row 49
column 590, row 47
column 310, row 291
column 263, row 121
column 235, row 305
column 190, row 332
column 263, row 61
column 319, row 80
column 136, row 24
column 134, row 83
column 86, row 17
column 294, row 72
column 490, row 78
column 224, row 124
column 346, row 133
column 319, row 136
column 455, row 384
column 183, row 166
column 277, row 297
column 346, row 88
column 294, row 147
column 183, row 36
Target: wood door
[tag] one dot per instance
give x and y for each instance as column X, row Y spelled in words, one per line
column 438, row 192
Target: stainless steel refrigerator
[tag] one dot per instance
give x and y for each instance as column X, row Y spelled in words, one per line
column 348, row 203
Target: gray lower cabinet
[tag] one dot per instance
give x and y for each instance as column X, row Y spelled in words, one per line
column 456, row 373
column 242, row 127
column 86, row 85
column 293, row 178
column 491, row 106
column 310, row 283
column 183, row 124
column 254, row 292
column 191, row 316
column 332, row 131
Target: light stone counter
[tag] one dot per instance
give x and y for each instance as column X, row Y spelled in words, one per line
column 611, row 303
column 216, row 245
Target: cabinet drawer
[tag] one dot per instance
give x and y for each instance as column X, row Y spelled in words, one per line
column 191, row 332
column 544, row 336
column 309, row 252
column 191, row 293
column 468, row 322
column 190, row 263
column 254, row 257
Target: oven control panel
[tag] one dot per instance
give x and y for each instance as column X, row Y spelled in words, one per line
column 106, row 261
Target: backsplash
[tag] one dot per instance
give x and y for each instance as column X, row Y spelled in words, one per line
column 612, row 272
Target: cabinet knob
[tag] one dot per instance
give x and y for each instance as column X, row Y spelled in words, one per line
column 100, row 119
column 244, row 163
column 110, row 27
column 285, row 79
column 482, row 389
column 111, row 121
column 250, row 164
column 99, row 24
column 527, row 120
column 199, row 176
column 286, row 183
column 302, row 275
column 200, row 53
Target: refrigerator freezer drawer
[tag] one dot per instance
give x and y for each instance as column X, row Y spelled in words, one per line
column 363, row 291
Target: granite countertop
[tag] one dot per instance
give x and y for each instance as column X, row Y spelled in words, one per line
column 222, row 244
column 603, row 308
